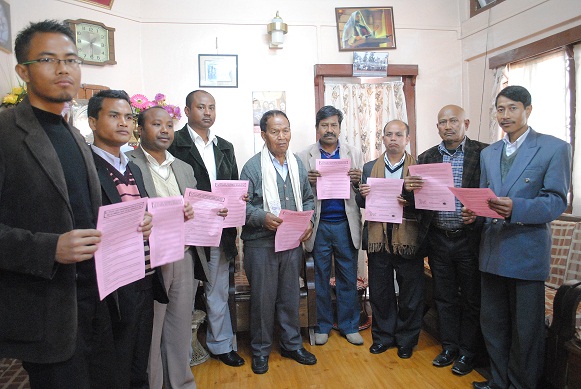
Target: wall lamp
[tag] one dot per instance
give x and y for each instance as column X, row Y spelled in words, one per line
column 277, row 28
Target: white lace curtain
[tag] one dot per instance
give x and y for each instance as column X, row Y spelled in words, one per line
column 367, row 108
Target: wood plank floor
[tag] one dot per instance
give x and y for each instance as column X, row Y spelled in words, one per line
column 340, row 365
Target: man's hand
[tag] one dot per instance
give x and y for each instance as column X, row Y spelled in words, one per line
column 502, row 205
column 188, row 211
column 146, row 225
column 272, row 222
column 364, row 190
column 223, row 212
column 468, row 216
column 313, row 174
column 354, row 176
column 77, row 246
column 412, row 183
column 307, row 234
column 246, row 197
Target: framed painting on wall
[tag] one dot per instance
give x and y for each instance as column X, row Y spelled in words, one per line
column 99, row 3
column 218, row 70
column 5, row 33
column 363, row 29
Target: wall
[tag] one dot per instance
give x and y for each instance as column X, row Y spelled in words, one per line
column 509, row 25
column 157, row 46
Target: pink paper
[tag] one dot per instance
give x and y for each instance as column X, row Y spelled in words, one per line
column 234, row 191
column 291, row 229
column 120, row 258
column 475, row 199
column 434, row 194
column 334, row 182
column 381, row 203
column 205, row 229
column 166, row 242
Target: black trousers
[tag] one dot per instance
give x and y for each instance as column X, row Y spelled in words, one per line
column 93, row 365
column 396, row 320
column 454, row 264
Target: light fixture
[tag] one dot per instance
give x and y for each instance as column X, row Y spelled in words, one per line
column 277, row 29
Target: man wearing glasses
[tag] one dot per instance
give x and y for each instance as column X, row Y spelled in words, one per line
column 50, row 313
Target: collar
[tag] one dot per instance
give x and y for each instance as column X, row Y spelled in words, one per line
column 443, row 150
column 276, row 161
column 195, row 137
column 168, row 158
column 393, row 168
column 329, row 154
column 517, row 143
column 119, row 163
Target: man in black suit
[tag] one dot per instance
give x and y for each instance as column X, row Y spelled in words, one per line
column 50, row 313
column 453, row 247
column 111, row 119
column 212, row 158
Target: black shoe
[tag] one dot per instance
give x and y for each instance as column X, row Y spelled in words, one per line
column 231, row 359
column 445, row 358
column 405, row 352
column 481, row 385
column 301, row 355
column 259, row 365
column 378, row 348
column 463, row 365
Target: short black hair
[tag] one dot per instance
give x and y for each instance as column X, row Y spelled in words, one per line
column 141, row 116
column 326, row 112
column 191, row 95
column 96, row 102
column 24, row 37
column 267, row 115
column 407, row 128
column 516, row 93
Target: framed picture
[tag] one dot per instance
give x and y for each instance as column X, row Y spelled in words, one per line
column 99, row 3
column 5, row 34
column 218, row 71
column 370, row 64
column 362, row 29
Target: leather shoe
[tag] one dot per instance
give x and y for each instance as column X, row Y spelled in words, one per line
column 481, row 385
column 378, row 348
column 405, row 352
column 463, row 365
column 259, row 365
column 231, row 359
column 445, row 358
column 301, row 355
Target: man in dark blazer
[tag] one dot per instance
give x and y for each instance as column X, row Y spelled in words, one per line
column 50, row 313
column 530, row 173
column 111, row 119
column 212, row 158
column 452, row 246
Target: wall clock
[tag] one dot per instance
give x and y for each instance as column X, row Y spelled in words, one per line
column 95, row 42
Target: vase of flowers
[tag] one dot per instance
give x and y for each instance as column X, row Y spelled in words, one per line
column 140, row 102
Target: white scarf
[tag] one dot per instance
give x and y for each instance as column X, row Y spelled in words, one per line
column 271, row 199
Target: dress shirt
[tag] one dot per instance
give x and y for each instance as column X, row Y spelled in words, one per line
column 452, row 220
column 119, row 163
column 206, row 150
column 393, row 171
column 163, row 169
column 511, row 148
column 282, row 169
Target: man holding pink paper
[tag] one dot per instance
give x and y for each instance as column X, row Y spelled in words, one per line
column 277, row 181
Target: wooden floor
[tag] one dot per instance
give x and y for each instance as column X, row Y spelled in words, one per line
column 340, row 365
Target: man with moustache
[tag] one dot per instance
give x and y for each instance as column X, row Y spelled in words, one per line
column 336, row 234
column 277, row 180
column 530, row 173
column 165, row 176
column 397, row 319
column 452, row 246
column 50, row 313
column 212, row 158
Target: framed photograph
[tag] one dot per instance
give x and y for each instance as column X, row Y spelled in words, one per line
column 362, row 29
column 218, row 71
column 99, row 3
column 370, row 64
column 5, row 34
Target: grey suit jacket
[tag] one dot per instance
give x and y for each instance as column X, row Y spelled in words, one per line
column 309, row 157
column 537, row 183
column 184, row 176
column 38, row 308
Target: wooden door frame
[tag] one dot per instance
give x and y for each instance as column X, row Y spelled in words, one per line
column 408, row 73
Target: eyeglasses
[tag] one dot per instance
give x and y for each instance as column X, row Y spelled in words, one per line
column 71, row 62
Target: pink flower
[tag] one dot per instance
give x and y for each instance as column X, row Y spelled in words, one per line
column 139, row 102
column 159, row 99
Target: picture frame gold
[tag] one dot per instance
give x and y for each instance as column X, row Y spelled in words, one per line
column 365, row 28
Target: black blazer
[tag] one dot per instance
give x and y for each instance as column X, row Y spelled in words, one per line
column 110, row 195
column 226, row 169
